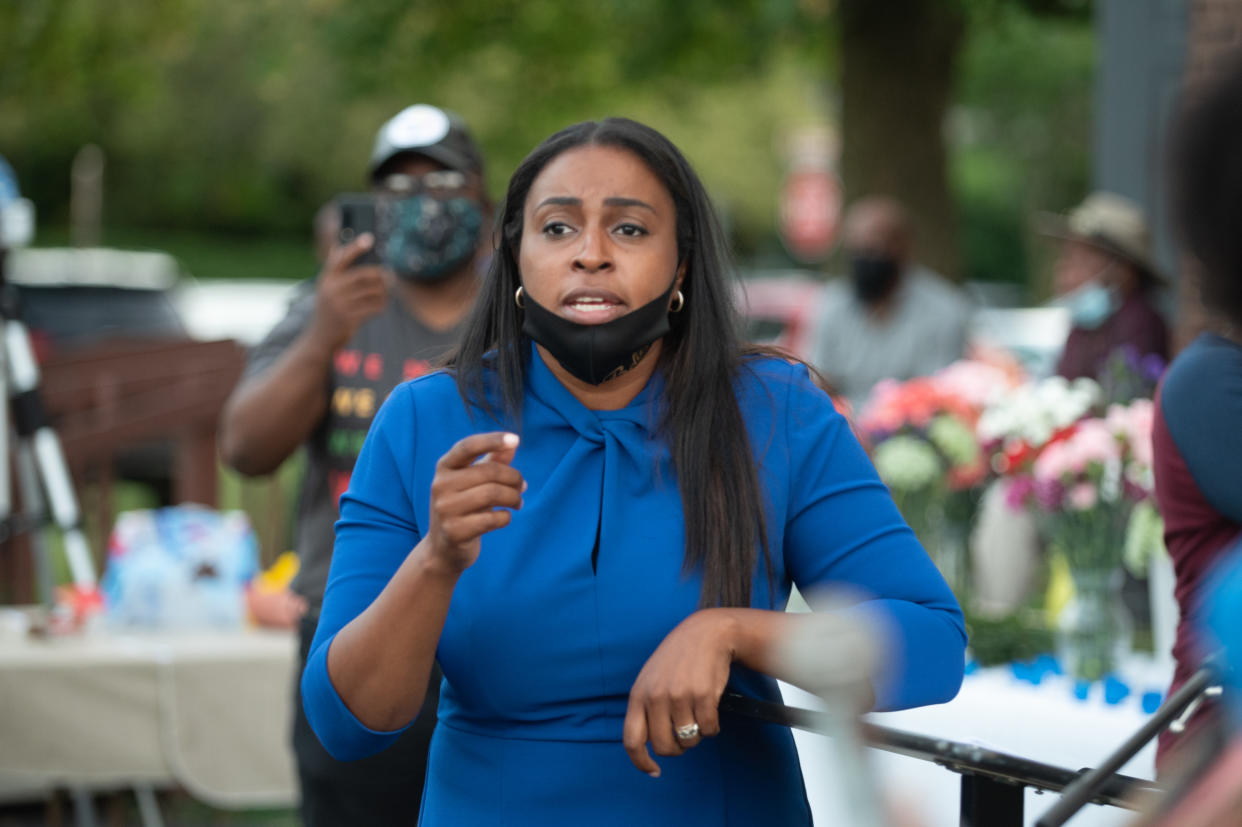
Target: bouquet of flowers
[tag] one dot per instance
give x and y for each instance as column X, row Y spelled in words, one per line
column 1082, row 486
column 922, row 439
column 1014, row 429
column 1085, row 481
column 921, row 436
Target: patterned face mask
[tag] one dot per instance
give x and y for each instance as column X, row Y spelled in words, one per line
column 427, row 238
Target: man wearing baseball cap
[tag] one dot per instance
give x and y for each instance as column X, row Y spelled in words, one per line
column 1106, row 278
column 384, row 306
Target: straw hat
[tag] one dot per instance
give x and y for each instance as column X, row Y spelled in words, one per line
column 1110, row 223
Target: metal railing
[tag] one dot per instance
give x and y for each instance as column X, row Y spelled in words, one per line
column 994, row 782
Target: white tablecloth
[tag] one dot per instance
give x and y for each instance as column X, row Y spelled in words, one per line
column 209, row 712
column 1043, row 723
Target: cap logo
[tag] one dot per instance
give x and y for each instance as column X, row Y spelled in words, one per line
column 418, row 125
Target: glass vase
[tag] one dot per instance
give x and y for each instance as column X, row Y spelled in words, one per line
column 947, row 543
column 1094, row 630
column 942, row 526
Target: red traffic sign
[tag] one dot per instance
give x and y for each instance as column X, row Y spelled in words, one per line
column 811, row 201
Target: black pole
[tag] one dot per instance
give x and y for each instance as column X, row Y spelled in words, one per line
column 987, row 802
column 955, row 756
column 1087, row 787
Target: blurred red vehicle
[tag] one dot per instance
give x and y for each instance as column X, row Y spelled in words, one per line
column 778, row 308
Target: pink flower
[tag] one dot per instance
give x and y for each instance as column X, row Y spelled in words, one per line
column 1055, row 461
column 1142, row 412
column 1118, row 419
column 1133, row 423
column 1083, row 497
column 978, row 384
column 1017, row 491
column 1094, row 441
column 894, row 405
column 922, row 401
column 883, row 412
column 1049, row 494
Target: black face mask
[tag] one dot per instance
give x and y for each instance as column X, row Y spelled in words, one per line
column 874, row 276
column 596, row 353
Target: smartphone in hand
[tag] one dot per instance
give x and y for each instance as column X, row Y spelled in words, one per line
column 357, row 211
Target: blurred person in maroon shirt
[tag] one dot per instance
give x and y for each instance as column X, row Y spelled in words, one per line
column 1105, row 277
column 1197, row 428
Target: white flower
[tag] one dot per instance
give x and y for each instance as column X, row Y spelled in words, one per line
column 1034, row 412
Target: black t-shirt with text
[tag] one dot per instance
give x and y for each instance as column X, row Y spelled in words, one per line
column 386, row 350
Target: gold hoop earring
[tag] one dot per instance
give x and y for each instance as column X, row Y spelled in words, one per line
column 679, row 301
column 517, row 298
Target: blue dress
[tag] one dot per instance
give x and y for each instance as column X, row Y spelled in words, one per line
column 546, row 633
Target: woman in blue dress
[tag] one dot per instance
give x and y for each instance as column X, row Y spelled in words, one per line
column 592, row 519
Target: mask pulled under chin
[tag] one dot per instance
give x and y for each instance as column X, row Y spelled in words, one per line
column 596, row 353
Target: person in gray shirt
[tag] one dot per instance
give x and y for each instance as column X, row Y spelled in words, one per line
column 319, row 377
column 891, row 318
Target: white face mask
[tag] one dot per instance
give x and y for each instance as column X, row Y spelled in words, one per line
column 1090, row 305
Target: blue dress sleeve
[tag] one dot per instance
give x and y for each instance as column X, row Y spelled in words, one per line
column 843, row 531
column 375, row 533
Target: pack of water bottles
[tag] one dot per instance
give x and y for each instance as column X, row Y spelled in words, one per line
column 182, row 567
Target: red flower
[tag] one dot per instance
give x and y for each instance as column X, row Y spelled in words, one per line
column 964, row 477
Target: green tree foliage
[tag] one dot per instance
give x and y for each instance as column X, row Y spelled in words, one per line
column 900, row 72
column 244, row 117
column 1022, row 131
column 897, row 67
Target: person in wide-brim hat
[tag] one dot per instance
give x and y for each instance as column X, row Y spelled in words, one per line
column 1112, row 225
column 1106, row 277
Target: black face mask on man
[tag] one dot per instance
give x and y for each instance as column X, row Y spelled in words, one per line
column 874, row 276
column 596, row 353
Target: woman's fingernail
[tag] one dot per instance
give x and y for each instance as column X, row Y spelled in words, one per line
column 524, row 486
column 510, row 440
column 654, row 773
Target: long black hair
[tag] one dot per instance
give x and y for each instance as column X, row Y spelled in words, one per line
column 701, row 357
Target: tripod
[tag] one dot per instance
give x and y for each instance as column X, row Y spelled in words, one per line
column 40, row 463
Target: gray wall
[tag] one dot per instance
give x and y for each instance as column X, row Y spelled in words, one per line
column 1142, row 48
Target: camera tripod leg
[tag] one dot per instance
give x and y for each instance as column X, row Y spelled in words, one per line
column 32, row 504
column 33, row 428
column 6, row 491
